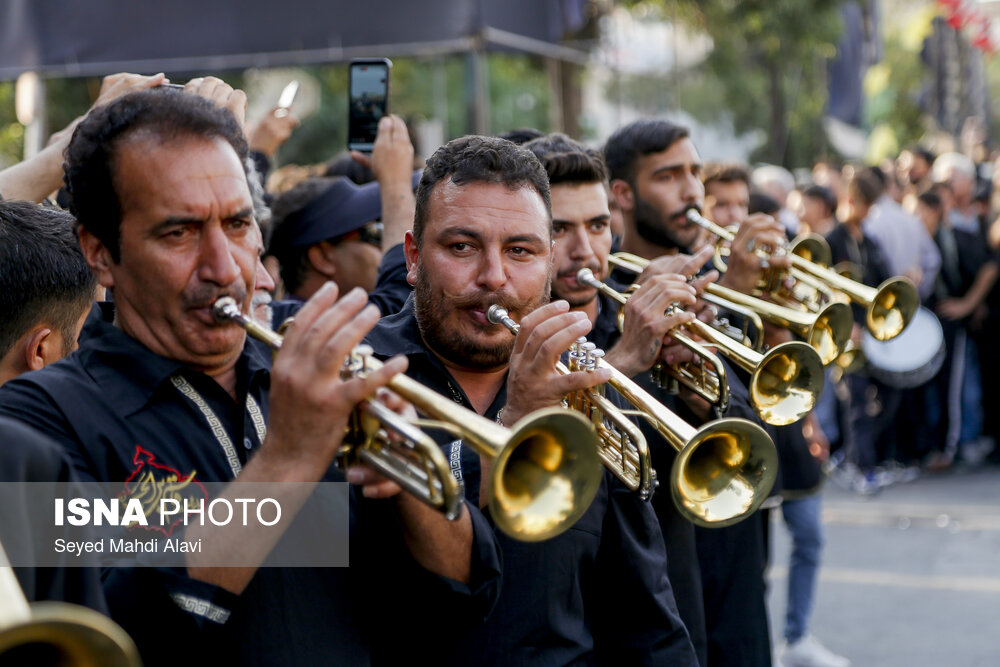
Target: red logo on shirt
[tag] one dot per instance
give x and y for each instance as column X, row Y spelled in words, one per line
column 151, row 482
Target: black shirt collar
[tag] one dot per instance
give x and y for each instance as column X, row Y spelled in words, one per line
column 120, row 355
column 399, row 334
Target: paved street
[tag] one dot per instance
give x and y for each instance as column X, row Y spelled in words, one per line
column 911, row 576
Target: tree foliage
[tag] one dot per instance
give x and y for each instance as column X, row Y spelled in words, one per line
column 769, row 64
column 422, row 88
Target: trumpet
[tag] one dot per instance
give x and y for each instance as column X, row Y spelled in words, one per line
column 621, row 445
column 827, row 331
column 545, row 470
column 57, row 633
column 785, row 382
column 889, row 307
column 723, row 471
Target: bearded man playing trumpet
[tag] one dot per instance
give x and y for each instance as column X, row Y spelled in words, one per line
column 654, row 171
column 597, row 593
column 583, row 241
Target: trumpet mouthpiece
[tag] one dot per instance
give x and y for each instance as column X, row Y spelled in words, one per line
column 586, row 277
column 225, row 309
column 497, row 314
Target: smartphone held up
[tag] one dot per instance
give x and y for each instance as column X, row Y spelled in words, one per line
column 368, row 101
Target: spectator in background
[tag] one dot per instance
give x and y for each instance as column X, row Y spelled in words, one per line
column 968, row 273
column 777, row 183
column 325, row 230
column 46, row 287
column 266, row 137
column 959, row 173
column 819, row 205
column 872, row 405
column 323, row 227
column 37, row 178
column 828, row 175
column 908, row 249
column 914, row 167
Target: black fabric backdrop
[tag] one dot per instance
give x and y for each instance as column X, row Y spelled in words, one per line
column 93, row 37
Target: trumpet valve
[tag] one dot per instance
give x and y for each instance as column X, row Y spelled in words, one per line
column 354, row 363
column 592, row 359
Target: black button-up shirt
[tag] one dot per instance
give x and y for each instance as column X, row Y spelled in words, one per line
column 597, row 594
column 112, row 407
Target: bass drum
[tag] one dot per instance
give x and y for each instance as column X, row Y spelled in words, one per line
column 910, row 359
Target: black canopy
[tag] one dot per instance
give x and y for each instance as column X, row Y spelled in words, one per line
column 94, row 37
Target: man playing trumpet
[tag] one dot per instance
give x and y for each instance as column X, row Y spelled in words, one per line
column 160, row 191
column 483, row 236
column 654, row 171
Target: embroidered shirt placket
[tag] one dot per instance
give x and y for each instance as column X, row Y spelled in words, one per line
column 253, row 409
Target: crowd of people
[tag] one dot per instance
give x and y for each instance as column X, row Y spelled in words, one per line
column 117, row 240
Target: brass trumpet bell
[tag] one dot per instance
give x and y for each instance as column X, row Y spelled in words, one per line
column 724, row 472
column 545, row 470
column 786, row 383
column 830, row 331
column 67, row 635
column 891, row 308
column 543, row 477
column 827, row 330
column 57, row 634
column 812, row 248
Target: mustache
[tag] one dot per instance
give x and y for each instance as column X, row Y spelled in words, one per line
column 571, row 273
column 260, row 298
column 483, row 300
column 682, row 213
column 205, row 294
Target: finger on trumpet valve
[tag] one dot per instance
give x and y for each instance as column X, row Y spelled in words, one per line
column 593, row 357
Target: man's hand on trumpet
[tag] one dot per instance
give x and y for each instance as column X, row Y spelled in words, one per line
column 311, row 403
column 533, row 382
column 745, row 267
column 685, row 265
column 646, row 330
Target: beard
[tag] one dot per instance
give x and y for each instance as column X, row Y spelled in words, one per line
column 434, row 309
column 657, row 229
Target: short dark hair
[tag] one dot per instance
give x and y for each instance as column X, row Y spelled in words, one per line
column 643, row 137
column 90, row 158
column 43, row 276
column 924, row 154
column 865, row 186
column 725, row 172
column 762, row 203
column 931, row 199
column 294, row 259
column 568, row 161
column 824, row 194
column 477, row 159
column 521, row 135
